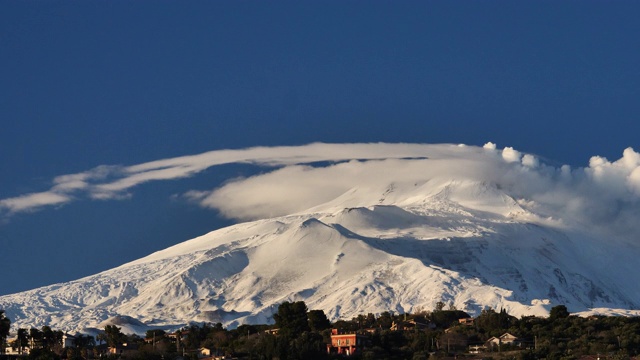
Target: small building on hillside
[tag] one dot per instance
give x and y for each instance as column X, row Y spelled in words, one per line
column 204, row 352
column 68, row 340
column 467, row 321
column 410, row 325
column 477, row 349
column 12, row 341
column 124, row 350
column 178, row 335
column 504, row 339
column 346, row 343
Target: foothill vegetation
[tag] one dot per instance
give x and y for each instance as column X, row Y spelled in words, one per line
column 301, row 334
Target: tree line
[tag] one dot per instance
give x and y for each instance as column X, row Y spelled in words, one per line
column 304, row 334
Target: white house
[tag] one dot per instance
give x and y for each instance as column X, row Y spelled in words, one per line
column 68, row 340
column 504, row 339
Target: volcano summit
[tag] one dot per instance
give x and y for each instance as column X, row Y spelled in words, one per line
column 359, row 228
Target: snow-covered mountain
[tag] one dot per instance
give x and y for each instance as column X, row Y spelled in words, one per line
column 399, row 245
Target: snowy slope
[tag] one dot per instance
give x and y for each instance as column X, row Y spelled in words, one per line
column 397, row 246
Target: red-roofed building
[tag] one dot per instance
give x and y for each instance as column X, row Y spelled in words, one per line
column 346, row 343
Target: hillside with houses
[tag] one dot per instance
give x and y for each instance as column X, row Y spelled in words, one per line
column 300, row 333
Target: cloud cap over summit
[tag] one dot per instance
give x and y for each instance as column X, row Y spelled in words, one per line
column 297, row 178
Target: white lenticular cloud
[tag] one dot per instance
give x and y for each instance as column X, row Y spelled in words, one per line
column 297, row 188
column 30, row 202
column 605, row 193
column 304, row 177
column 108, row 182
column 196, row 195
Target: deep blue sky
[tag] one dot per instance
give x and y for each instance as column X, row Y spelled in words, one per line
column 91, row 83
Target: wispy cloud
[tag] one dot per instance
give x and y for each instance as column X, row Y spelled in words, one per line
column 31, row 202
column 603, row 191
column 112, row 182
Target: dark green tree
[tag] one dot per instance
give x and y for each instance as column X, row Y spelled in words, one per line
column 385, row 320
column 35, row 337
column 444, row 318
column 101, row 338
column 42, row 354
column 494, row 323
column 5, row 326
column 22, row 341
column 83, row 341
column 47, row 337
column 82, row 344
column 113, row 335
column 156, row 337
column 558, row 312
column 318, row 320
column 308, row 346
column 292, row 319
column 157, row 334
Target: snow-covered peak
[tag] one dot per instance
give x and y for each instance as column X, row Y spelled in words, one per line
column 440, row 228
